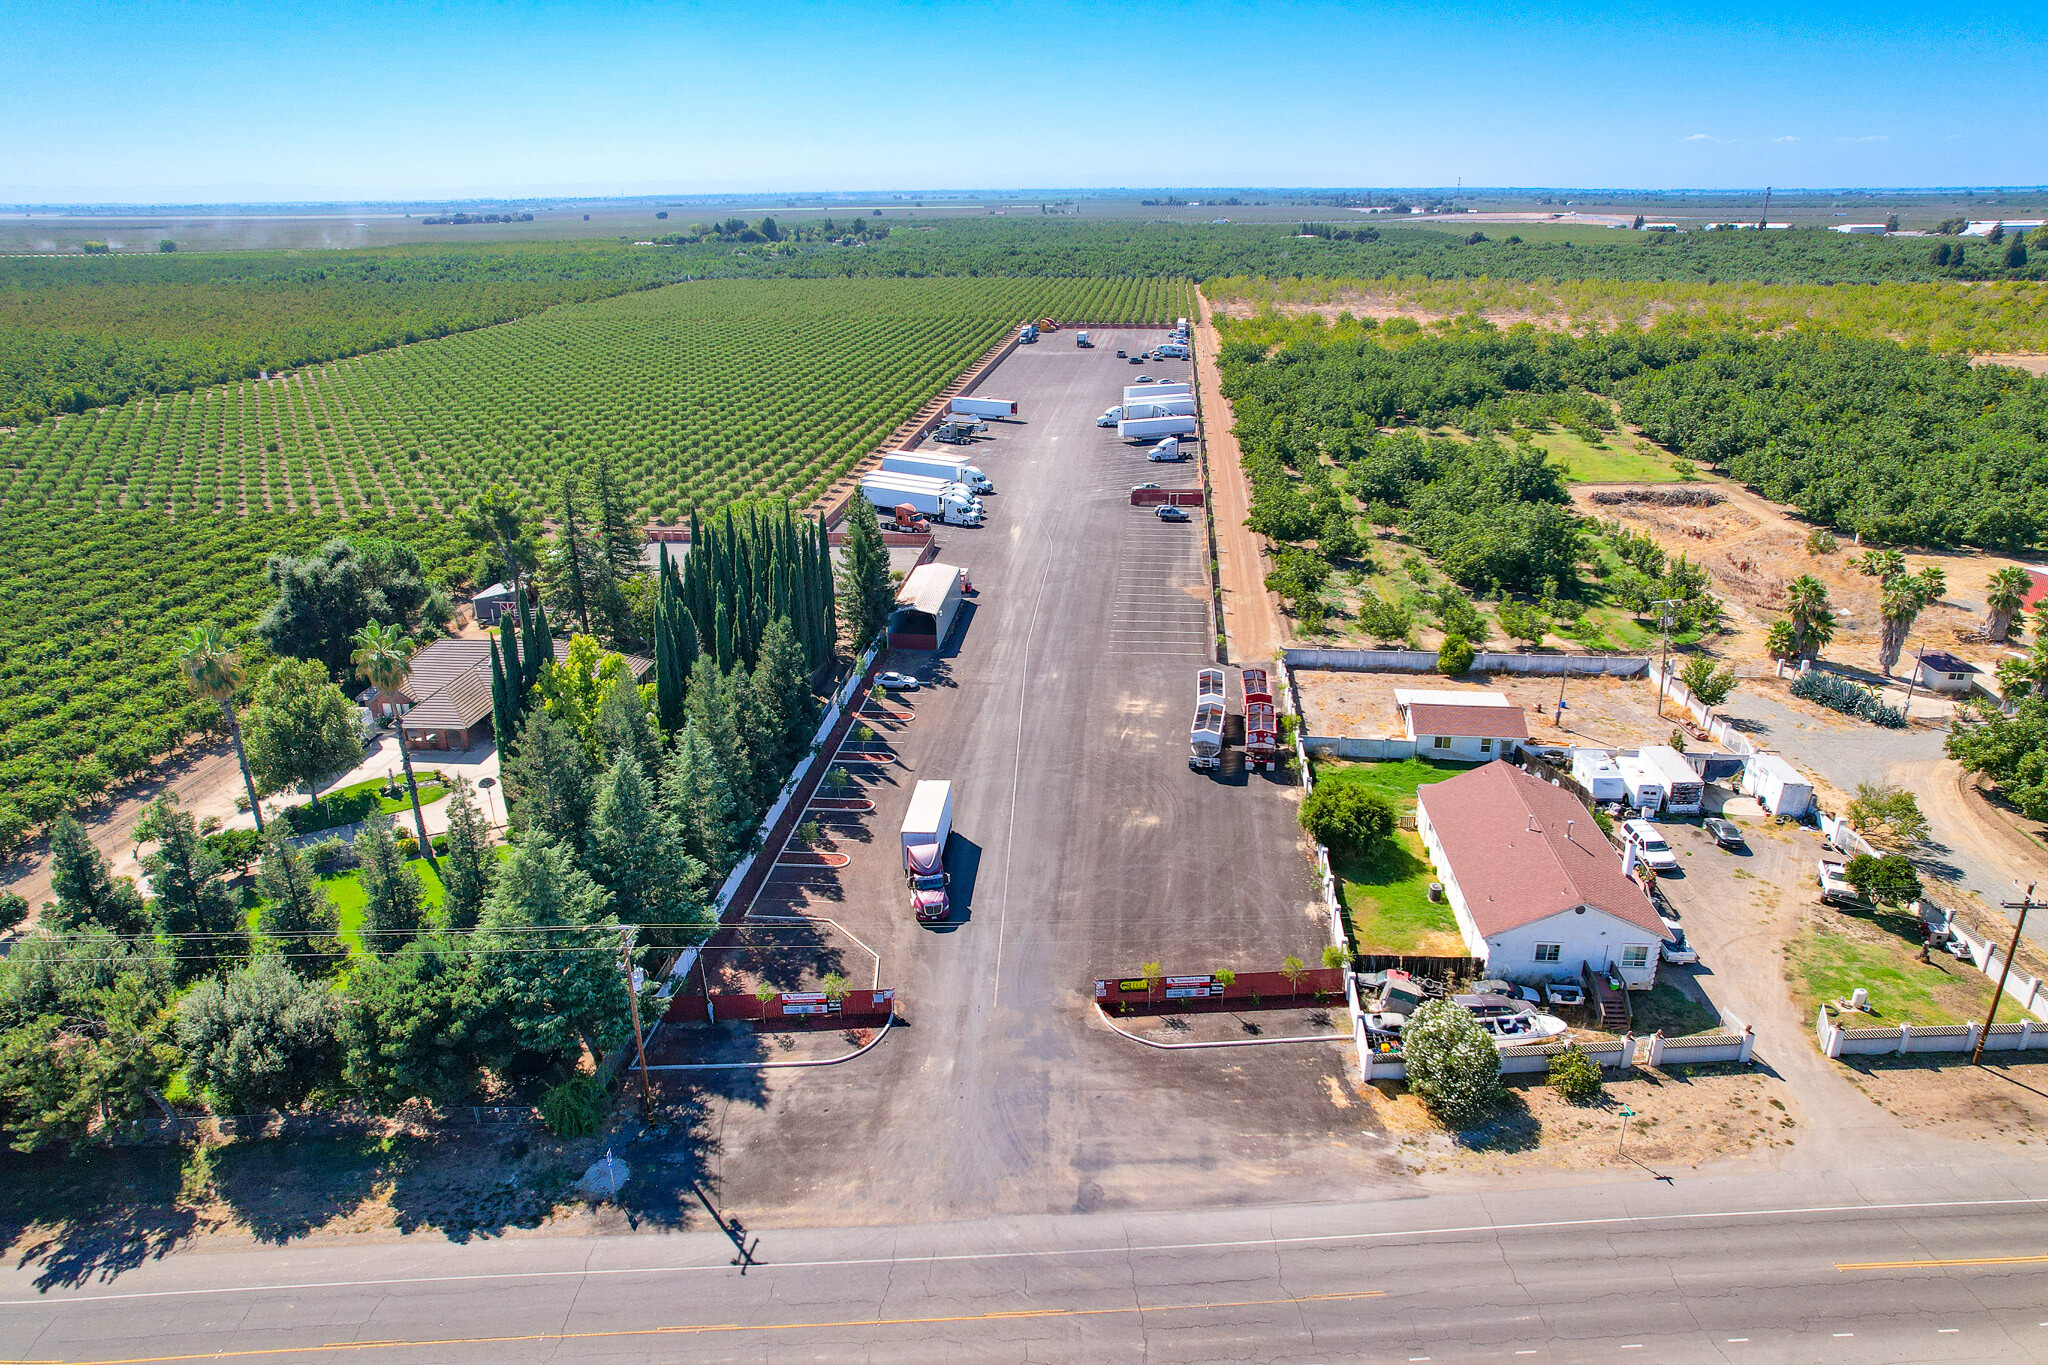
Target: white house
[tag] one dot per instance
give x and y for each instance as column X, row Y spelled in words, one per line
column 1943, row 672
column 1536, row 887
column 1471, row 727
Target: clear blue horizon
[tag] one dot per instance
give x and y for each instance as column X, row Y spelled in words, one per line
column 179, row 102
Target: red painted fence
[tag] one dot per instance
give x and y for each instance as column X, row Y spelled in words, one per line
column 792, row 1006
column 1196, row 994
column 1178, row 497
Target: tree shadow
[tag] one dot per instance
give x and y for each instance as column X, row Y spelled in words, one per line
column 1511, row 1127
column 90, row 1217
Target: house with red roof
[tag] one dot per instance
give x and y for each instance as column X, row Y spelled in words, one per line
column 1536, row 887
column 1460, row 726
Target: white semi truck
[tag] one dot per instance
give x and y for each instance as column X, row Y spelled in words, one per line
column 938, row 499
column 926, row 826
column 1154, row 428
column 938, row 467
column 984, row 407
column 1139, row 393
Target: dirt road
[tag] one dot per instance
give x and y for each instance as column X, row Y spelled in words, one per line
column 1251, row 615
column 206, row 782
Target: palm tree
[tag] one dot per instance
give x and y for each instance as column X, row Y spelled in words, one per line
column 213, row 670
column 1900, row 602
column 494, row 520
column 2004, row 597
column 1806, row 600
column 383, row 658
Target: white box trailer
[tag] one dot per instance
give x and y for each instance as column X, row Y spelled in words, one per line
column 947, row 501
column 1594, row 770
column 984, row 407
column 1138, row 393
column 1157, row 407
column 1685, row 791
column 1777, row 786
column 937, row 467
column 1642, row 787
column 926, row 826
column 1153, row 428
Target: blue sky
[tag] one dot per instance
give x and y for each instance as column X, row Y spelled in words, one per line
column 192, row 102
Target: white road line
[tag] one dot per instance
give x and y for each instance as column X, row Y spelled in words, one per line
column 1016, row 775
column 1119, row 1249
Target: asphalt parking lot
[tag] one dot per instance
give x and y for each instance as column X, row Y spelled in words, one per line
column 1082, row 846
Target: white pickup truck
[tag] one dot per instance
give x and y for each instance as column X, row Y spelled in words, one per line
column 1835, row 887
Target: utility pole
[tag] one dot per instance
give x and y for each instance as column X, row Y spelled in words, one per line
column 626, row 932
column 1919, row 662
column 1765, row 221
column 1663, row 606
column 2022, row 905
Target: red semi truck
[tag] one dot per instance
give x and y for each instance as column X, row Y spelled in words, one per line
column 1261, row 722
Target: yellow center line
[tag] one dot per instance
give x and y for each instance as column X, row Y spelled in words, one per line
column 691, row 1329
column 1933, row 1265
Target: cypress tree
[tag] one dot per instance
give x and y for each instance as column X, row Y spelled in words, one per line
column 828, row 624
column 540, row 646
column 723, row 638
column 392, row 898
column 638, row 853
column 504, row 709
column 573, row 566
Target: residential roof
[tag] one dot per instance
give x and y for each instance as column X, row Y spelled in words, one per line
column 927, row 587
column 1412, row 696
column 1508, row 839
column 1483, row 722
column 1942, row 662
column 450, row 682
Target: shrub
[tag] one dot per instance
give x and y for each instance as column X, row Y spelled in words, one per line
column 1454, row 657
column 573, row 1109
column 1340, row 815
column 1453, row 1066
column 1851, row 699
column 13, row 910
column 1890, row 880
column 1575, row 1075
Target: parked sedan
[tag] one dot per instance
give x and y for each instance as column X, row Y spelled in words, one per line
column 1726, row 833
column 1166, row 513
column 897, row 682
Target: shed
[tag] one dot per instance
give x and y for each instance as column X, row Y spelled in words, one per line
column 1944, row 672
column 926, row 606
column 1685, row 791
column 1777, row 786
column 493, row 602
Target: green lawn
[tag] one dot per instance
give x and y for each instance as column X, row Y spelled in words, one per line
column 1386, row 898
column 1396, row 781
column 345, row 891
column 1386, row 893
column 1665, row 1007
column 1619, row 459
column 1827, row 964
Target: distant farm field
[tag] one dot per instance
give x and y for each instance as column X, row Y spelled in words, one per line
column 700, row 393
column 121, row 527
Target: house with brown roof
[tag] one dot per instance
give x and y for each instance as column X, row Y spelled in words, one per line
column 1536, row 887
column 446, row 697
column 1467, row 726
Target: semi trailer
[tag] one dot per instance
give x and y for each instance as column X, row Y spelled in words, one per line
column 938, row 467
column 1153, row 428
column 1261, row 721
column 926, row 826
column 1139, row 393
column 1170, row 405
column 983, row 407
column 935, row 498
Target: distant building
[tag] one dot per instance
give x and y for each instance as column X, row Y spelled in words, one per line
column 1943, row 672
column 493, row 602
column 1861, row 229
column 926, row 606
column 1536, row 888
column 445, row 701
column 1472, row 727
column 1983, row 229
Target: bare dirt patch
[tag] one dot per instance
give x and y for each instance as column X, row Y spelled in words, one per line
column 1752, row 548
column 2002, row 1102
column 1682, row 1119
column 2031, row 362
column 1599, row 712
